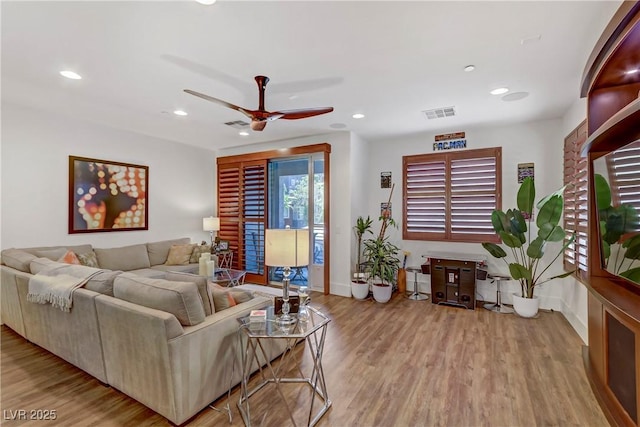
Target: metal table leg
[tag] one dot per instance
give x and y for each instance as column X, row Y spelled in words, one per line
column 416, row 296
column 498, row 307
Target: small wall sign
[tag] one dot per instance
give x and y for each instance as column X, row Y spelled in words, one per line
column 450, row 141
column 525, row 170
column 385, row 179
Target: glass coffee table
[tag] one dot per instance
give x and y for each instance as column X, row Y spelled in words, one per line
column 258, row 334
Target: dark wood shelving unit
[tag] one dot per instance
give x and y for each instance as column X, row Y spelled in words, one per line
column 612, row 358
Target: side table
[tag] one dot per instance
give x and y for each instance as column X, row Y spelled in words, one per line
column 258, row 335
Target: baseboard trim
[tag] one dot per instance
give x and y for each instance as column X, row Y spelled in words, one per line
column 340, row 289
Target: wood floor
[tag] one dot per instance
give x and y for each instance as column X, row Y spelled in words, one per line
column 405, row 363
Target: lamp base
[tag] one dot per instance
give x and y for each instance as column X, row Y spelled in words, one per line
column 285, row 319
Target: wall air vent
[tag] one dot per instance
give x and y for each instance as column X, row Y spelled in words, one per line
column 237, row 124
column 439, row 113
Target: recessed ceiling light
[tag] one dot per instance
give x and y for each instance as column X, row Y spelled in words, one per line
column 635, row 70
column 243, row 133
column 469, row 68
column 180, row 113
column 206, row 2
column 358, row 116
column 499, row 91
column 71, row 75
column 515, row 96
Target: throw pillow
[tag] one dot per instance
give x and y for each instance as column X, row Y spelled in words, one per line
column 222, row 299
column 197, row 251
column 89, row 259
column 179, row 254
column 69, row 258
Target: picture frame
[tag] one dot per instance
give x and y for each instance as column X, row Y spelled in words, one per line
column 223, row 245
column 105, row 195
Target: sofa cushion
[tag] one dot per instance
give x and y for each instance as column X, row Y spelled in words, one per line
column 197, row 251
column 89, row 259
column 159, row 251
column 178, row 298
column 179, row 254
column 103, row 282
column 18, row 259
column 52, row 254
column 78, row 249
column 125, row 258
column 201, row 283
column 153, row 273
column 40, row 264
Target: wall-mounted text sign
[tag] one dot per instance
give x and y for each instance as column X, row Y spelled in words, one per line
column 450, row 141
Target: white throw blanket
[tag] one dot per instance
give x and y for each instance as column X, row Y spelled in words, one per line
column 56, row 285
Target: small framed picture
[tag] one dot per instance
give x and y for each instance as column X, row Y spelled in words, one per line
column 223, row 245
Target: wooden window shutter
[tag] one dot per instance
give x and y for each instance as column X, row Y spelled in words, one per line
column 242, row 208
column 450, row 196
column 576, row 200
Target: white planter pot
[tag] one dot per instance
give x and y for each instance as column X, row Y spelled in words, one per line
column 525, row 307
column 382, row 293
column 359, row 290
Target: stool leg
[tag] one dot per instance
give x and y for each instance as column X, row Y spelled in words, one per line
column 416, row 295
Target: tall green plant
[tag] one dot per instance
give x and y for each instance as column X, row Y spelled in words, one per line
column 362, row 227
column 619, row 227
column 380, row 254
column 514, row 229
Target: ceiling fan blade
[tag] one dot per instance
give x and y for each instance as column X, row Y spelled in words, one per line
column 246, row 112
column 303, row 113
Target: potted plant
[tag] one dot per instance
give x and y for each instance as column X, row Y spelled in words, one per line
column 514, row 229
column 382, row 261
column 359, row 284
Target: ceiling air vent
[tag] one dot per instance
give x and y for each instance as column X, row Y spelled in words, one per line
column 237, row 124
column 439, row 113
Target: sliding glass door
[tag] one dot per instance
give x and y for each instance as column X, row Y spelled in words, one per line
column 296, row 200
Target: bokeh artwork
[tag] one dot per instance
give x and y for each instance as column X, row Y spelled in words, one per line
column 107, row 196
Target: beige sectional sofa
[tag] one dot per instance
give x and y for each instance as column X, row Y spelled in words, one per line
column 160, row 341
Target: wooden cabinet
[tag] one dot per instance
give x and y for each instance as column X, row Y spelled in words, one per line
column 612, row 87
column 453, row 279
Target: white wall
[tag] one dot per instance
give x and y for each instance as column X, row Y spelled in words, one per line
column 574, row 293
column 359, row 189
column 340, row 202
column 538, row 142
column 35, row 150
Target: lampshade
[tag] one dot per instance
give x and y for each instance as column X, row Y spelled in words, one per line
column 286, row 248
column 211, row 224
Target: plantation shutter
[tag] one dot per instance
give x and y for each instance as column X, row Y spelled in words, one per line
column 576, row 200
column 241, row 208
column 473, row 196
column 450, row 196
column 425, row 197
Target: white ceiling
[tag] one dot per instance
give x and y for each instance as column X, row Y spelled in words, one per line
column 387, row 59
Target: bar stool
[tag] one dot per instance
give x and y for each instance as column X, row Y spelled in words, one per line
column 416, row 296
column 498, row 307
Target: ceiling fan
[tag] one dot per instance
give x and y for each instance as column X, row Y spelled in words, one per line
column 260, row 117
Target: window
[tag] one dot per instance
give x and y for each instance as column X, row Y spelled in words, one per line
column 450, row 196
column 575, row 200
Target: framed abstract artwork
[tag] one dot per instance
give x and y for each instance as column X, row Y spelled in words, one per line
column 107, row 196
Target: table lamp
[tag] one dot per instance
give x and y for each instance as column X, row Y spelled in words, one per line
column 211, row 224
column 286, row 248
